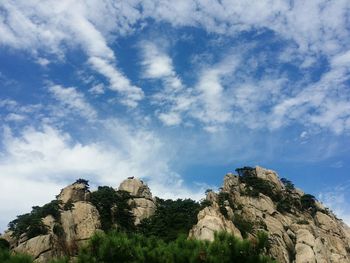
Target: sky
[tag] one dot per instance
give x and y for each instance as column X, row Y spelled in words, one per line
column 177, row 93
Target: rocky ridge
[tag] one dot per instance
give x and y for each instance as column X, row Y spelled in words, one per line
column 300, row 229
column 296, row 234
column 77, row 221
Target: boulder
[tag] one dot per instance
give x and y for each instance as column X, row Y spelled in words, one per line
column 326, row 223
column 136, row 188
column 268, row 175
column 142, row 203
column 36, row 246
column 304, row 254
column 74, row 193
column 305, row 237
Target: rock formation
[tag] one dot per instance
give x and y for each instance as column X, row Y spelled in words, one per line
column 300, row 229
column 77, row 221
column 296, row 234
column 142, row 203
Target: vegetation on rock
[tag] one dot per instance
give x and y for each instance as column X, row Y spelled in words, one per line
column 171, row 219
column 121, row 247
column 31, row 223
column 113, row 208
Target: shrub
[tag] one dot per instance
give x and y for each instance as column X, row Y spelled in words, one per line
column 244, row 225
column 308, row 203
column 7, row 257
column 246, row 171
column 288, row 184
column 31, row 223
column 303, row 222
column 256, row 185
column 120, row 247
column 58, row 230
column 113, row 208
column 82, row 181
column 4, row 244
column 171, row 219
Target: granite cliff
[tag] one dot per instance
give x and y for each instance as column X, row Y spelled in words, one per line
column 300, row 229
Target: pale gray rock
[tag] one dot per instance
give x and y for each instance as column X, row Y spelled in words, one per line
column 136, row 188
column 74, row 193
column 36, row 246
column 210, row 220
column 304, row 254
column 142, row 203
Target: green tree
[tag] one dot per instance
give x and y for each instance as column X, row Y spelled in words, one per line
column 171, row 219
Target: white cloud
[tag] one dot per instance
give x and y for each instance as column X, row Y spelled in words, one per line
column 93, row 26
column 337, row 200
column 43, row 62
column 97, row 89
column 74, row 100
column 53, row 27
column 15, row 117
column 118, row 82
column 48, row 158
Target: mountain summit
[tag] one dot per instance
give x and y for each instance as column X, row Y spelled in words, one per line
column 299, row 228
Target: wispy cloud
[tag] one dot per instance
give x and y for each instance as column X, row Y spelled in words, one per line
column 45, row 157
column 337, row 199
column 51, row 27
column 74, row 100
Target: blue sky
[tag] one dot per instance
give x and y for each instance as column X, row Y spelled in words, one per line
column 178, row 93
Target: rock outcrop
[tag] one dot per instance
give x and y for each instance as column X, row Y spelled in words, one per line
column 77, row 220
column 296, row 233
column 142, row 203
column 300, row 229
column 210, row 220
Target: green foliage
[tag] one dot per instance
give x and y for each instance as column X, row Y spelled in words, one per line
column 223, row 198
column 113, row 208
column 286, row 203
column 120, row 247
column 288, row 184
column 68, row 205
column 256, row 185
column 171, row 219
column 4, row 244
column 82, row 181
column 246, row 171
column 244, row 225
column 308, row 203
column 7, row 257
column 303, row 222
column 31, row 223
column 58, row 230
column 263, row 241
column 61, row 260
column 204, row 203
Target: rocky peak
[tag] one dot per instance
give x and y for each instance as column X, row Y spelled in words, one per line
column 136, row 187
column 78, row 191
column 300, row 229
column 142, row 203
column 268, row 175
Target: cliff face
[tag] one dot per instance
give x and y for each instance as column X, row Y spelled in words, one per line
column 300, row 229
column 77, row 220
